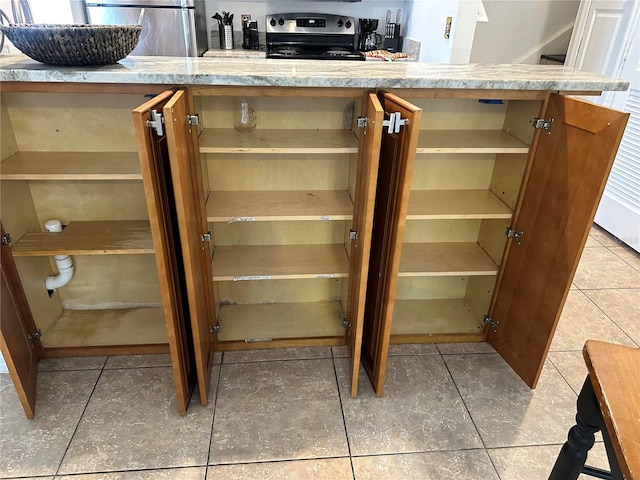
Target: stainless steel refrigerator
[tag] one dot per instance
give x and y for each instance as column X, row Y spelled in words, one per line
column 169, row 27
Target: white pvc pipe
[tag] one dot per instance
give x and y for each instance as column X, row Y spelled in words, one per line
column 63, row 262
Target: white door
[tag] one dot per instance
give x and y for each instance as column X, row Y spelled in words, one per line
column 606, row 39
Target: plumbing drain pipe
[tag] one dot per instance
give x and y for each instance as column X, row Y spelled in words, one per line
column 63, row 262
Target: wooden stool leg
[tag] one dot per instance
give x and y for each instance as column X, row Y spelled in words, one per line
column 580, row 439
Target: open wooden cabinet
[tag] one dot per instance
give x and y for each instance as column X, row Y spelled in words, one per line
column 71, row 154
column 345, row 218
column 289, row 208
column 482, row 241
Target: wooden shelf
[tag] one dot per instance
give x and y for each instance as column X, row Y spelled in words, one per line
column 426, row 317
column 279, row 205
column 455, row 204
column 117, row 237
column 228, row 140
column 71, row 166
column 445, row 259
column 267, row 262
column 271, row 321
column 127, row 326
column 469, row 141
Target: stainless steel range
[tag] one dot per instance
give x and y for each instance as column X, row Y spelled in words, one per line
column 312, row 36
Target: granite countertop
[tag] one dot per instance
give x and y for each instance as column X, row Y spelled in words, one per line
column 310, row 73
column 235, row 53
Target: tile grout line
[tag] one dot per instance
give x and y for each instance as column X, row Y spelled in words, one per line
column 344, row 420
column 625, row 247
column 484, row 445
column 563, row 377
column 75, row 430
column 110, row 472
column 605, row 288
column 213, row 417
column 605, row 313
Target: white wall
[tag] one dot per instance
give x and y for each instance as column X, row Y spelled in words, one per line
column 519, row 31
column 427, row 24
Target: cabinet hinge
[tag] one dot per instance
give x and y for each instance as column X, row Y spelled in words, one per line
column 395, row 122
column 353, row 235
column 363, row 123
column 6, row 239
column 215, row 329
column 193, row 119
column 541, row 123
column 205, row 237
column 34, row 335
column 156, row 122
column 511, row 233
column 491, row 322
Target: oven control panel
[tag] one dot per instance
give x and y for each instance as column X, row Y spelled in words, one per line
column 310, row 23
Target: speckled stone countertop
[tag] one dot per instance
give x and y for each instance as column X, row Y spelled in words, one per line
column 309, row 73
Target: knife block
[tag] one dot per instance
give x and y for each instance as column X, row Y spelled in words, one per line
column 393, row 45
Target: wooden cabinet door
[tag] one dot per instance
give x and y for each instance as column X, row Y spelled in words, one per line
column 566, row 175
column 365, row 195
column 19, row 351
column 395, row 170
column 192, row 220
column 154, row 153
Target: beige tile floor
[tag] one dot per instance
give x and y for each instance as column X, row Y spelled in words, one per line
column 454, row 411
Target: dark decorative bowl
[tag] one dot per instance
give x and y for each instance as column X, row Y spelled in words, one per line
column 74, row 45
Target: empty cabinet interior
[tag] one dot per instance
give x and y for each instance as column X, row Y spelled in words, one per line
column 468, row 169
column 73, row 158
column 280, row 204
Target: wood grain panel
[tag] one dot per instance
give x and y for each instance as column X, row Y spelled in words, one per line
column 126, row 326
column 187, row 183
column 428, row 231
column 615, row 375
column 421, row 317
column 118, row 237
column 19, row 352
column 73, row 122
column 438, row 259
column 279, row 291
column 562, row 187
column 469, row 141
column 279, row 262
column 71, row 166
column 93, row 285
column 448, row 171
column 88, row 200
column 241, row 172
column 395, row 170
column 286, row 112
column 251, row 323
column 8, row 143
column 279, row 205
column 156, row 172
column 228, row 140
column 506, row 179
column 279, row 233
column 425, row 288
column 455, row 204
column 459, row 114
